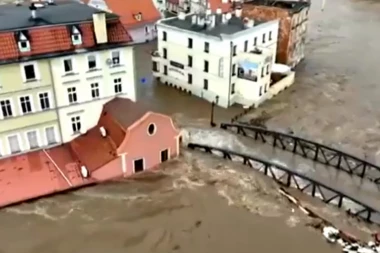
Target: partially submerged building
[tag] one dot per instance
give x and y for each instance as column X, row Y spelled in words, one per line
column 57, row 71
column 218, row 56
column 293, row 16
column 127, row 139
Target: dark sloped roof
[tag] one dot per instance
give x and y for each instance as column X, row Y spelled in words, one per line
column 125, row 111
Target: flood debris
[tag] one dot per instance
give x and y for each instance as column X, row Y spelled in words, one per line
column 349, row 243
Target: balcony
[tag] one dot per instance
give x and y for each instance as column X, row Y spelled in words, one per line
column 155, row 55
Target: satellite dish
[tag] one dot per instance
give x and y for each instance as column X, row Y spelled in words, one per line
column 109, row 61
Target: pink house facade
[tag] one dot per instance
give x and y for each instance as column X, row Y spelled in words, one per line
column 128, row 139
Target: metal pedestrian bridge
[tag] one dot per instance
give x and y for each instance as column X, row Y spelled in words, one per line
column 333, row 176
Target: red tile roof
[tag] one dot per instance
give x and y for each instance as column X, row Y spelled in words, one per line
column 128, row 10
column 215, row 4
column 93, row 150
column 57, row 39
column 37, row 170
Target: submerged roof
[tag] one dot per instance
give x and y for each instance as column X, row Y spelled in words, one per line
column 234, row 25
column 118, row 115
column 18, row 17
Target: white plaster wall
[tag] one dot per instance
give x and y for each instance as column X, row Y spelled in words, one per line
column 143, row 33
column 220, row 53
column 88, row 108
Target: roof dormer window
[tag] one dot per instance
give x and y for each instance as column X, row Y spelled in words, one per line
column 76, row 36
column 23, row 42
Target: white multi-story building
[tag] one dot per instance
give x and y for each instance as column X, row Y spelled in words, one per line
column 84, row 82
column 217, row 55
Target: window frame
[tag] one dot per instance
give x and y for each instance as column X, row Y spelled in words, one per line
column 36, row 72
column 64, row 66
column 117, row 85
column 49, row 99
column 20, row 144
column 12, row 108
column 97, row 88
column 56, row 134
column 88, row 62
column 37, row 137
column 112, row 58
column 31, row 104
column 75, row 93
column 76, row 122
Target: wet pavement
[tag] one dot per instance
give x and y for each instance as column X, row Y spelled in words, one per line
column 334, row 100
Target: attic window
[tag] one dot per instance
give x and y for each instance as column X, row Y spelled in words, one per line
column 76, row 37
column 23, row 43
column 138, row 16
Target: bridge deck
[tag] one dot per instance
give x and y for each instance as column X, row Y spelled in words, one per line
column 360, row 189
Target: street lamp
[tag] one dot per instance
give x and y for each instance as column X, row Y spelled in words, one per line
column 212, row 123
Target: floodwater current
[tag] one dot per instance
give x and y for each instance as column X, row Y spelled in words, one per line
column 196, row 204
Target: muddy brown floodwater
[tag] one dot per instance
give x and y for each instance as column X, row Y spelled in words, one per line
column 202, row 204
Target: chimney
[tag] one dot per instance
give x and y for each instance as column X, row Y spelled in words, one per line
column 224, row 19
column 194, row 19
column 181, row 15
column 212, row 22
column 238, row 12
column 33, row 10
column 219, row 11
column 228, row 16
column 100, row 27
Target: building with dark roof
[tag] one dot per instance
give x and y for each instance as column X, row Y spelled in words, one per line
column 203, row 54
column 59, row 63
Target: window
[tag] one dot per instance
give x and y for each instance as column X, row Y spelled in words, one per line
column 189, row 61
column 234, row 51
column 165, row 53
column 155, row 66
column 146, row 30
column 190, row 43
column 72, row 91
column 75, row 124
column 32, row 139
column 262, row 72
column 50, row 135
column 189, row 78
column 23, row 43
column 165, row 70
column 205, row 66
column 138, row 165
column 24, row 46
column 164, row 37
column 255, row 41
column 30, row 73
column 115, row 57
column 234, row 70
column 76, row 37
column 264, row 38
column 6, row 108
column 117, row 85
column 233, row 88
column 267, row 69
column 151, row 129
column 207, row 47
column 68, row 65
column 164, row 155
column 205, row 84
column 94, row 90
column 260, row 90
column 26, row 104
column 91, row 62
column 44, row 101
column 270, row 35
column 246, row 46
column 14, row 144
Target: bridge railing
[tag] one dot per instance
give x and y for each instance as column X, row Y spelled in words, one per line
column 286, row 177
column 311, row 150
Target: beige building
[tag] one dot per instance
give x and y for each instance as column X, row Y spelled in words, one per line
column 55, row 77
column 28, row 116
